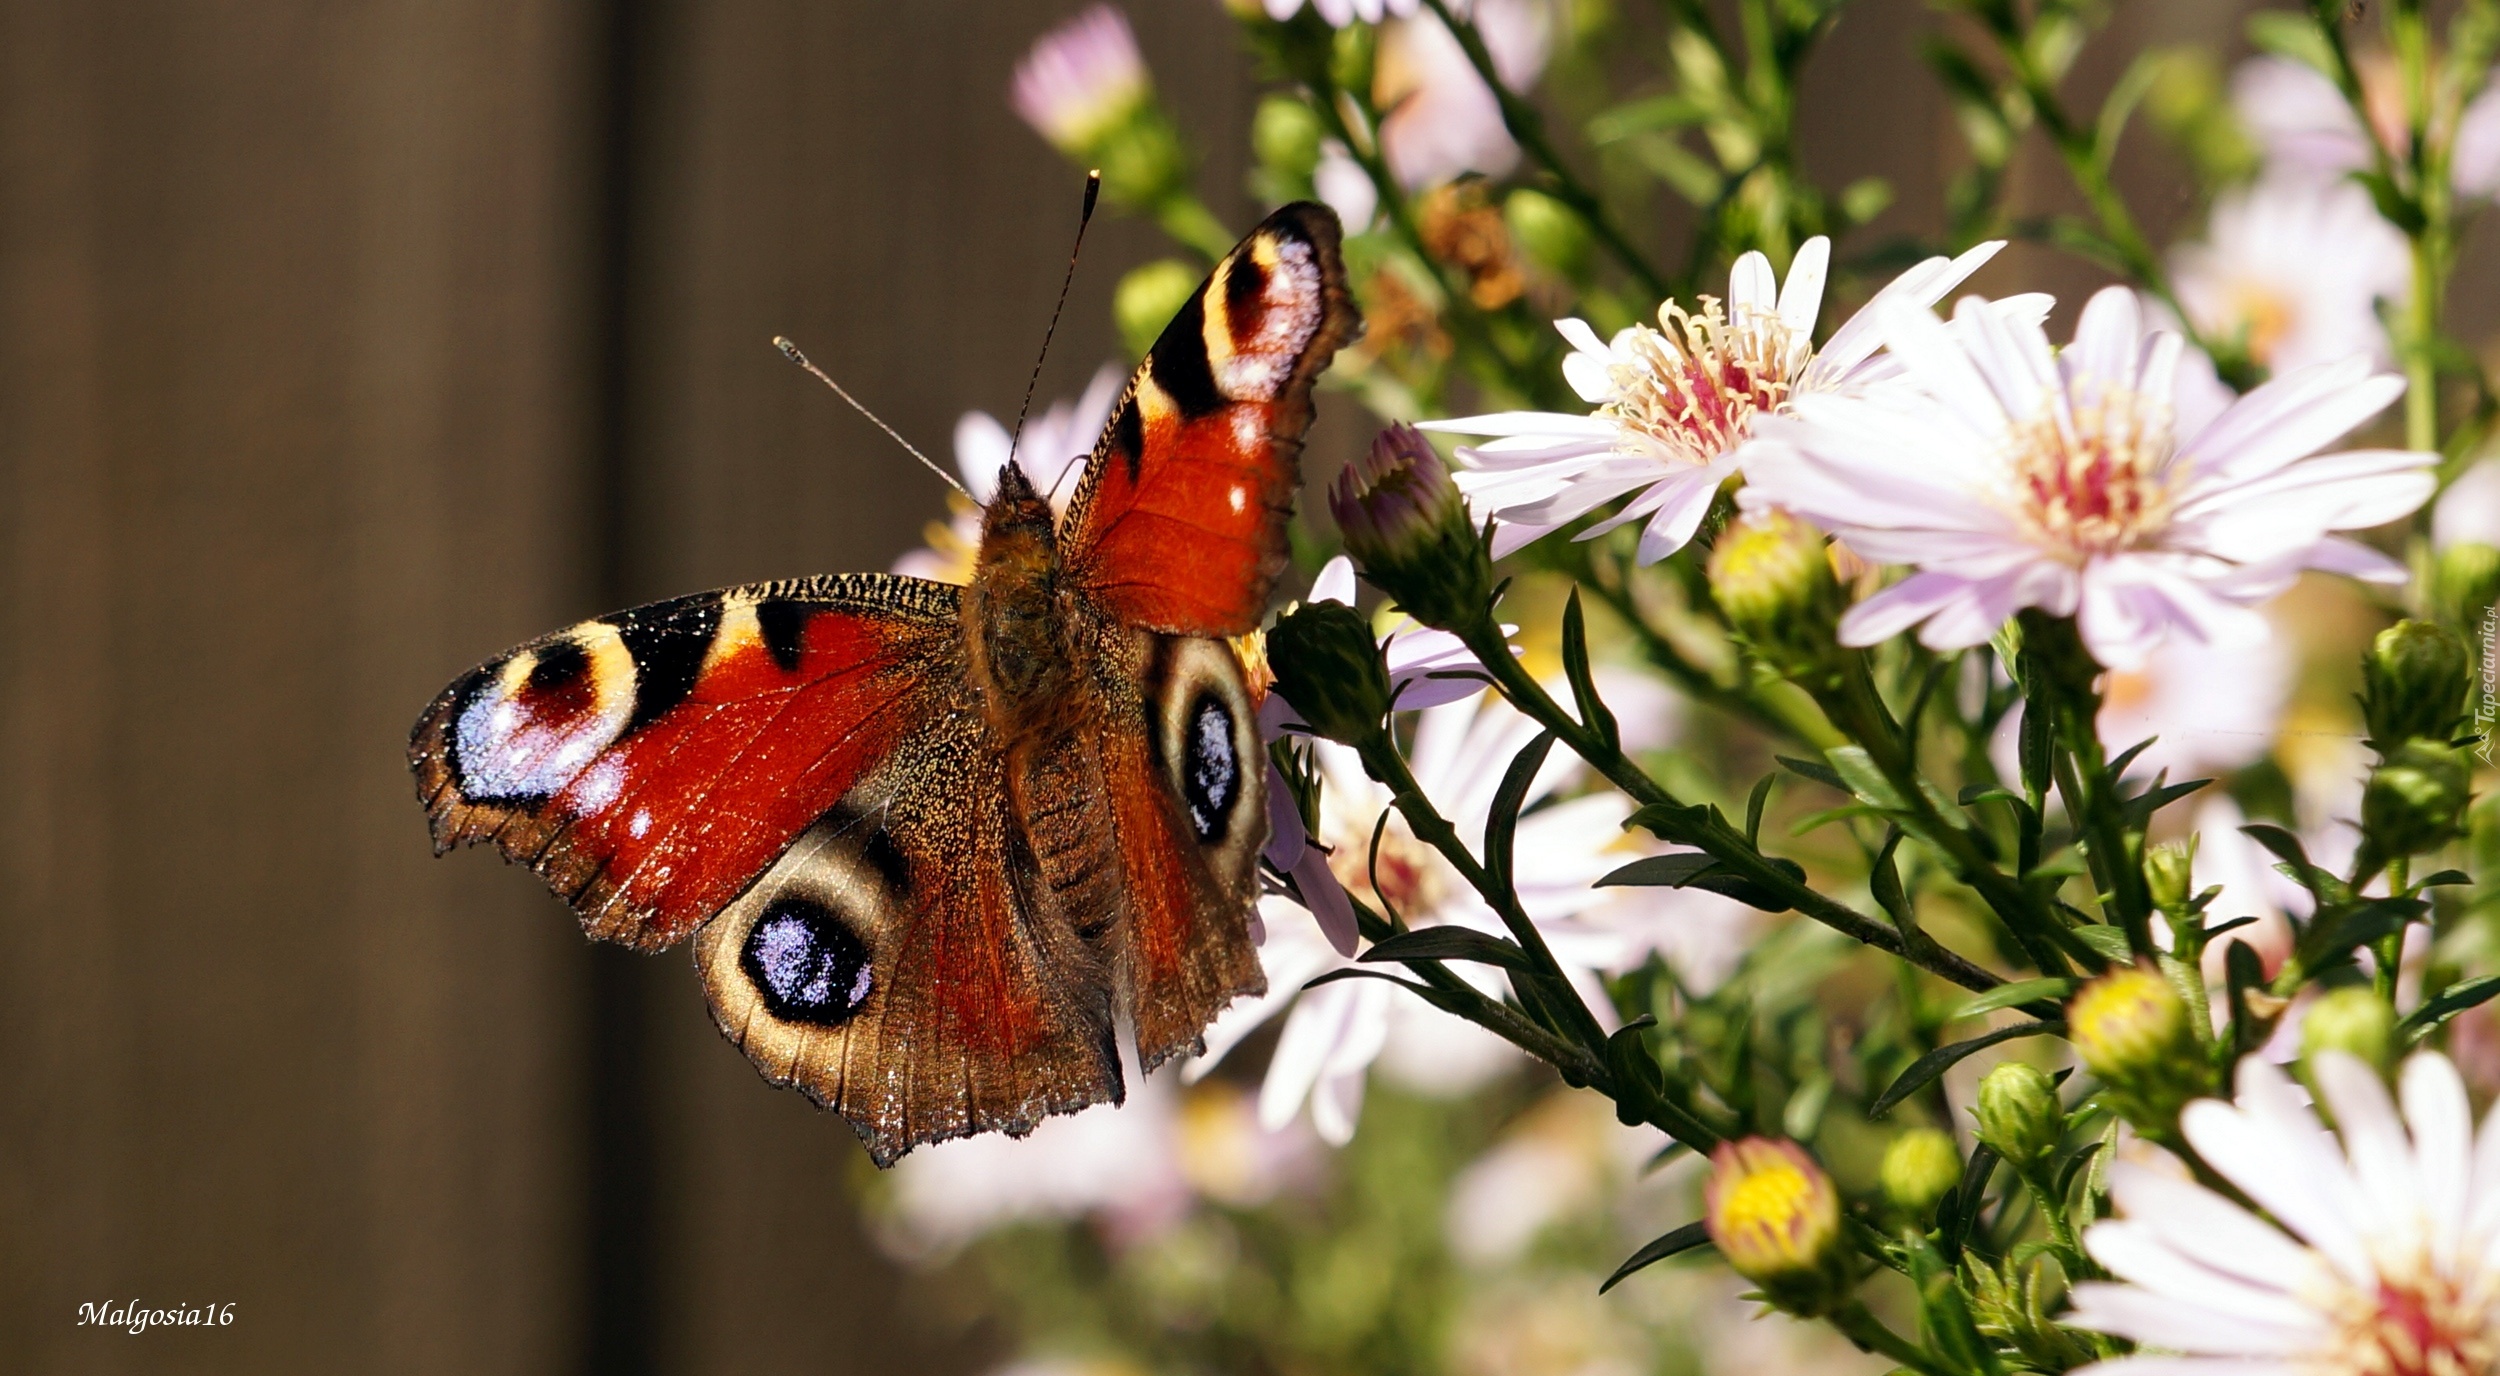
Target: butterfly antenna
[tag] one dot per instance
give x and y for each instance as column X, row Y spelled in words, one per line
column 791, row 352
column 1093, row 192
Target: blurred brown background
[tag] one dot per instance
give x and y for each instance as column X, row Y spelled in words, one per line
column 342, row 345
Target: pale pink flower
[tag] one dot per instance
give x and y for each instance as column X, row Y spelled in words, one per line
column 2306, row 127
column 1442, row 120
column 2295, row 269
column 1340, row 13
column 2381, row 1252
column 1052, row 454
column 1676, row 406
column 2011, row 476
column 1081, row 79
column 2469, row 511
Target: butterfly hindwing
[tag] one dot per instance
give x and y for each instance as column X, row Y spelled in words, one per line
column 1179, row 525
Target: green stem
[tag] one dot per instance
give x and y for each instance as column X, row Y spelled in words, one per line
column 1706, row 828
column 2092, row 796
column 1861, row 1326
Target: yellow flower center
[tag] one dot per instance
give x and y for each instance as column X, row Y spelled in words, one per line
column 2122, row 1018
column 1768, row 1208
column 2264, row 316
column 2419, row 1322
column 1695, row 384
column 2099, row 483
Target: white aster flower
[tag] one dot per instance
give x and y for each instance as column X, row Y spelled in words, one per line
column 1052, row 454
column 1442, row 119
column 2010, row 476
column 2295, row 269
column 1334, row 1033
column 2469, row 511
column 2306, row 127
column 1081, row 79
column 1677, row 404
column 2383, row 1259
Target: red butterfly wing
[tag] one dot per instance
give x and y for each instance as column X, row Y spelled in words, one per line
column 1180, row 523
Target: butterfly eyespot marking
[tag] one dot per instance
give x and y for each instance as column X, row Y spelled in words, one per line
column 1210, row 770
column 524, row 728
column 806, row 965
column 1207, row 741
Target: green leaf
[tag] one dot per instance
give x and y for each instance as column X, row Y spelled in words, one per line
column 2010, row 995
column 1447, row 1000
column 2443, row 879
column 1679, row 822
column 1502, row 823
column 1857, row 769
column 1694, row 870
column 1659, row 871
column 1684, row 1239
column 2289, row 34
column 1821, row 773
column 2449, row 1002
column 1450, row 943
column 2110, row 943
column 1926, row 1068
column 1575, row 651
column 1973, row 794
column 1762, row 795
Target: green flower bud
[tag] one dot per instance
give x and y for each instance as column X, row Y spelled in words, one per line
column 2465, row 581
column 2415, row 800
column 1552, row 234
column 1773, row 580
column 1920, row 1168
column 2131, row 1029
column 2413, row 683
column 1285, row 135
column 2169, row 873
column 1147, row 299
column 2353, row 1020
column 2019, row 1115
column 1776, row 1218
column 1407, row 528
column 1330, row 670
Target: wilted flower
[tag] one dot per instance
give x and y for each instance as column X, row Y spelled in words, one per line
column 1082, row 80
column 2010, row 476
column 2293, row 270
column 1052, row 454
column 1775, row 1217
column 1676, row 404
column 2383, row 1257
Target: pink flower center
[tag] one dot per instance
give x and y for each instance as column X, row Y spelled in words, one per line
column 2094, row 481
column 1409, row 873
column 2419, row 1323
column 1694, row 385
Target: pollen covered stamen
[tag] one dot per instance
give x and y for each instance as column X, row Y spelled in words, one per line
column 1698, row 381
column 2099, row 484
column 2419, row 1322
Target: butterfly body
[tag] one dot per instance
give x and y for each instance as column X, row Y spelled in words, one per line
column 933, row 843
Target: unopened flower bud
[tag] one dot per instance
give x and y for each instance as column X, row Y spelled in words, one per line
column 2415, row 800
column 2466, row 581
column 1285, row 135
column 1407, row 528
column 2131, row 1029
column 1920, row 1168
column 2019, row 1116
column 1776, row 1218
column 2169, row 872
column 2353, row 1020
column 1329, row 669
column 1772, row 579
column 2413, row 683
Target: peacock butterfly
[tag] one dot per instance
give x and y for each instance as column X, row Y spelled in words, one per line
column 932, row 841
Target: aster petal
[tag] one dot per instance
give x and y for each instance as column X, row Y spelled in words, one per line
column 1321, row 1018
column 2443, row 1141
column 2184, row 1321
column 1923, row 285
column 1326, row 899
column 2374, row 1139
column 1286, row 836
column 1751, row 286
column 2190, row 1366
column 1685, row 502
column 1335, row 582
column 2108, row 337
column 2210, row 1229
column 2289, row 418
column 1901, row 606
column 2335, row 554
column 1933, row 360
column 2272, row 1148
column 1801, row 296
column 981, row 446
column 1524, row 423
column 2137, row 1252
